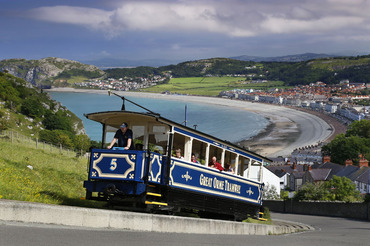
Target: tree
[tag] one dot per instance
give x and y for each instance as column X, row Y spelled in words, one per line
column 342, row 148
column 82, row 142
column 309, row 191
column 270, row 192
column 336, row 189
column 355, row 142
column 32, row 107
column 57, row 121
column 359, row 128
column 342, row 189
column 57, row 137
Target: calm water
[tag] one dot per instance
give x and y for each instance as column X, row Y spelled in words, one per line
column 223, row 122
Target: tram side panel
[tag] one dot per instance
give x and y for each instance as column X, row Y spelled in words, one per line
column 116, row 171
column 206, row 189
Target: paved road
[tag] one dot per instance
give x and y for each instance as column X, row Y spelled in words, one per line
column 329, row 231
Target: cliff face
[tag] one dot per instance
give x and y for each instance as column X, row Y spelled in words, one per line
column 41, row 72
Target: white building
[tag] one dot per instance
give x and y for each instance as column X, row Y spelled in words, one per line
column 331, row 108
column 268, row 177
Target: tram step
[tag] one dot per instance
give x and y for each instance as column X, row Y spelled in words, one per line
column 156, row 203
column 260, row 217
column 153, row 194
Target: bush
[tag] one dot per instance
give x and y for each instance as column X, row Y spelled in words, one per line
column 33, row 108
column 336, row 189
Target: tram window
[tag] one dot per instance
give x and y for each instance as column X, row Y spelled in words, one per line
column 243, row 165
column 199, row 150
column 158, row 142
column 214, row 151
column 178, row 142
column 159, row 129
column 138, row 132
column 230, row 158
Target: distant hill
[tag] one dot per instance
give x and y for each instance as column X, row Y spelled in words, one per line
column 126, row 63
column 292, row 70
column 47, row 71
column 107, row 63
column 330, row 70
column 288, row 58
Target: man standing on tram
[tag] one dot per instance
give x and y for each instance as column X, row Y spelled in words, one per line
column 124, row 137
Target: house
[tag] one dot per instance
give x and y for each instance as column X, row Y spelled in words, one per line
column 296, row 180
column 331, row 108
column 288, row 175
column 316, row 176
column 360, row 175
column 307, row 155
column 363, row 181
column 335, row 168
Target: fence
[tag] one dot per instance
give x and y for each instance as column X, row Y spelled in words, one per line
column 15, row 137
column 334, row 209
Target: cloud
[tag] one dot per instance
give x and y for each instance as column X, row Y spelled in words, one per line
column 323, row 25
column 234, row 18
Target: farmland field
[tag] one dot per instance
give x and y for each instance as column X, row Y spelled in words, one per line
column 209, row 86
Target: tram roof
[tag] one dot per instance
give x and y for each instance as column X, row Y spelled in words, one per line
column 115, row 119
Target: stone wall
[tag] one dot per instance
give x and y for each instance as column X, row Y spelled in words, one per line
column 334, row 209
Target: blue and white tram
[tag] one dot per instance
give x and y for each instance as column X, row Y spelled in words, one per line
column 150, row 178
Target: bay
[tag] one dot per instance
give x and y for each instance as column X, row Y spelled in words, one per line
column 231, row 124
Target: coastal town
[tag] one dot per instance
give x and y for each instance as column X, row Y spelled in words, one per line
column 121, row 84
column 339, row 100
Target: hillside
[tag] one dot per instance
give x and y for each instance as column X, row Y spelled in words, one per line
column 329, row 70
column 288, row 58
column 32, row 112
column 50, row 71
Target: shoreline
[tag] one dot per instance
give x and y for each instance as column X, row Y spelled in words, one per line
column 289, row 127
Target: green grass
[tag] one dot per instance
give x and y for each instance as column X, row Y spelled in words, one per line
column 335, row 63
column 266, row 215
column 77, row 79
column 53, row 179
column 19, row 122
column 209, row 86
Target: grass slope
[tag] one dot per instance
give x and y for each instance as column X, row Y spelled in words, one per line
column 208, row 86
column 53, row 178
column 333, row 64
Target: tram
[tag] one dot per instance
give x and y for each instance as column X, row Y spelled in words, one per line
column 151, row 178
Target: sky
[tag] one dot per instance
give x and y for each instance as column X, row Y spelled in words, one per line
column 181, row 30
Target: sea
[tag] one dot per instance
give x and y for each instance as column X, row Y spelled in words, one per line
column 223, row 122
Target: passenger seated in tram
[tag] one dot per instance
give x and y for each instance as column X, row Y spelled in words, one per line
column 139, row 146
column 228, row 168
column 124, row 137
column 215, row 164
column 194, row 159
column 178, row 154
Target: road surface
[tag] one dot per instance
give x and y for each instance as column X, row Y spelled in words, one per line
column 329, row 231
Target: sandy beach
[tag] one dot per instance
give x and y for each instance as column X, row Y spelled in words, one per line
column 289, row 128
